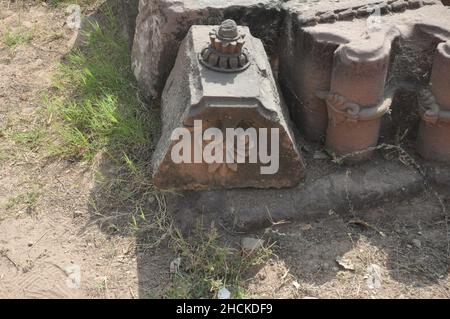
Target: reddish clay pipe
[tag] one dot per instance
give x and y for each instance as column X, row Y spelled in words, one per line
column 357, row 102
column 433, row 142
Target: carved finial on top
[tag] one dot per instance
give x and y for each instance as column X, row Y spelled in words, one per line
column 225, row 52
column 228, row 30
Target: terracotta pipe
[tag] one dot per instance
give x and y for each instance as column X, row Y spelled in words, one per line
column 357, row 98
column 433, row 141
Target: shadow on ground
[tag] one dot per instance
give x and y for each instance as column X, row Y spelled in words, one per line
column 403, row 232
column 407, row 239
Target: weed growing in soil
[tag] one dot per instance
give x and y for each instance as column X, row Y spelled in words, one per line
column 211, row 265
column 13, row 39
column 27, row 200
column 30, row 139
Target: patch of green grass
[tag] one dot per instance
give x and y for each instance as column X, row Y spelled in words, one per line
column 98, row 101
column 97, row 115
column 13, row 39
column 30, row 139
column 28, row 199
column 98, row 111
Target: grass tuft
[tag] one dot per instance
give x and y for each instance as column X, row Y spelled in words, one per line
column 31, row 139
column 14, row 39
column 28, row 200
column 209, row 264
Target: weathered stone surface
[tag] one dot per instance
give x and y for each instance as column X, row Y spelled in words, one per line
column 354, row 116
column 162, row 24
column 338, row 191
column 434, row 130
column 313, row 12
column 245, row 99
column 341, row 77
column 330, row 53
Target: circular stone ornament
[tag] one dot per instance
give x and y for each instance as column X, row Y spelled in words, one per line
column 226, row 52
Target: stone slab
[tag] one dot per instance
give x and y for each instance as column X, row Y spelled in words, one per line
column 333, row 190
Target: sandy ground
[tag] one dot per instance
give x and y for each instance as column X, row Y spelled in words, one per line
column 47, row 239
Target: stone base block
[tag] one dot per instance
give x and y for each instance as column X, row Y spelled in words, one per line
column 245, row 100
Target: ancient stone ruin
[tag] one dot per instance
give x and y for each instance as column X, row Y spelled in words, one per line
column 222, row 79
column 354, row 60
column 348, row 70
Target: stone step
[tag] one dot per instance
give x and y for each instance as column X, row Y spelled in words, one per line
column 326, row 190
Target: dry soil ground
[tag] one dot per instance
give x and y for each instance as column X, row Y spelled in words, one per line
column 46, row 230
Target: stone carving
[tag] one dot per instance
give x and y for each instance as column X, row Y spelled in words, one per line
column 342, row 80
column 224, row 100
column 359, row 73
column 226, row 51
column 362, row 11
column 353, row 128
column 352, row 112
column 430, row 111
column 340, row 64
column 162, row 25
column 223, row 169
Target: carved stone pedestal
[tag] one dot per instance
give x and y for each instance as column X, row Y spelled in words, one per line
column 222, row 78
